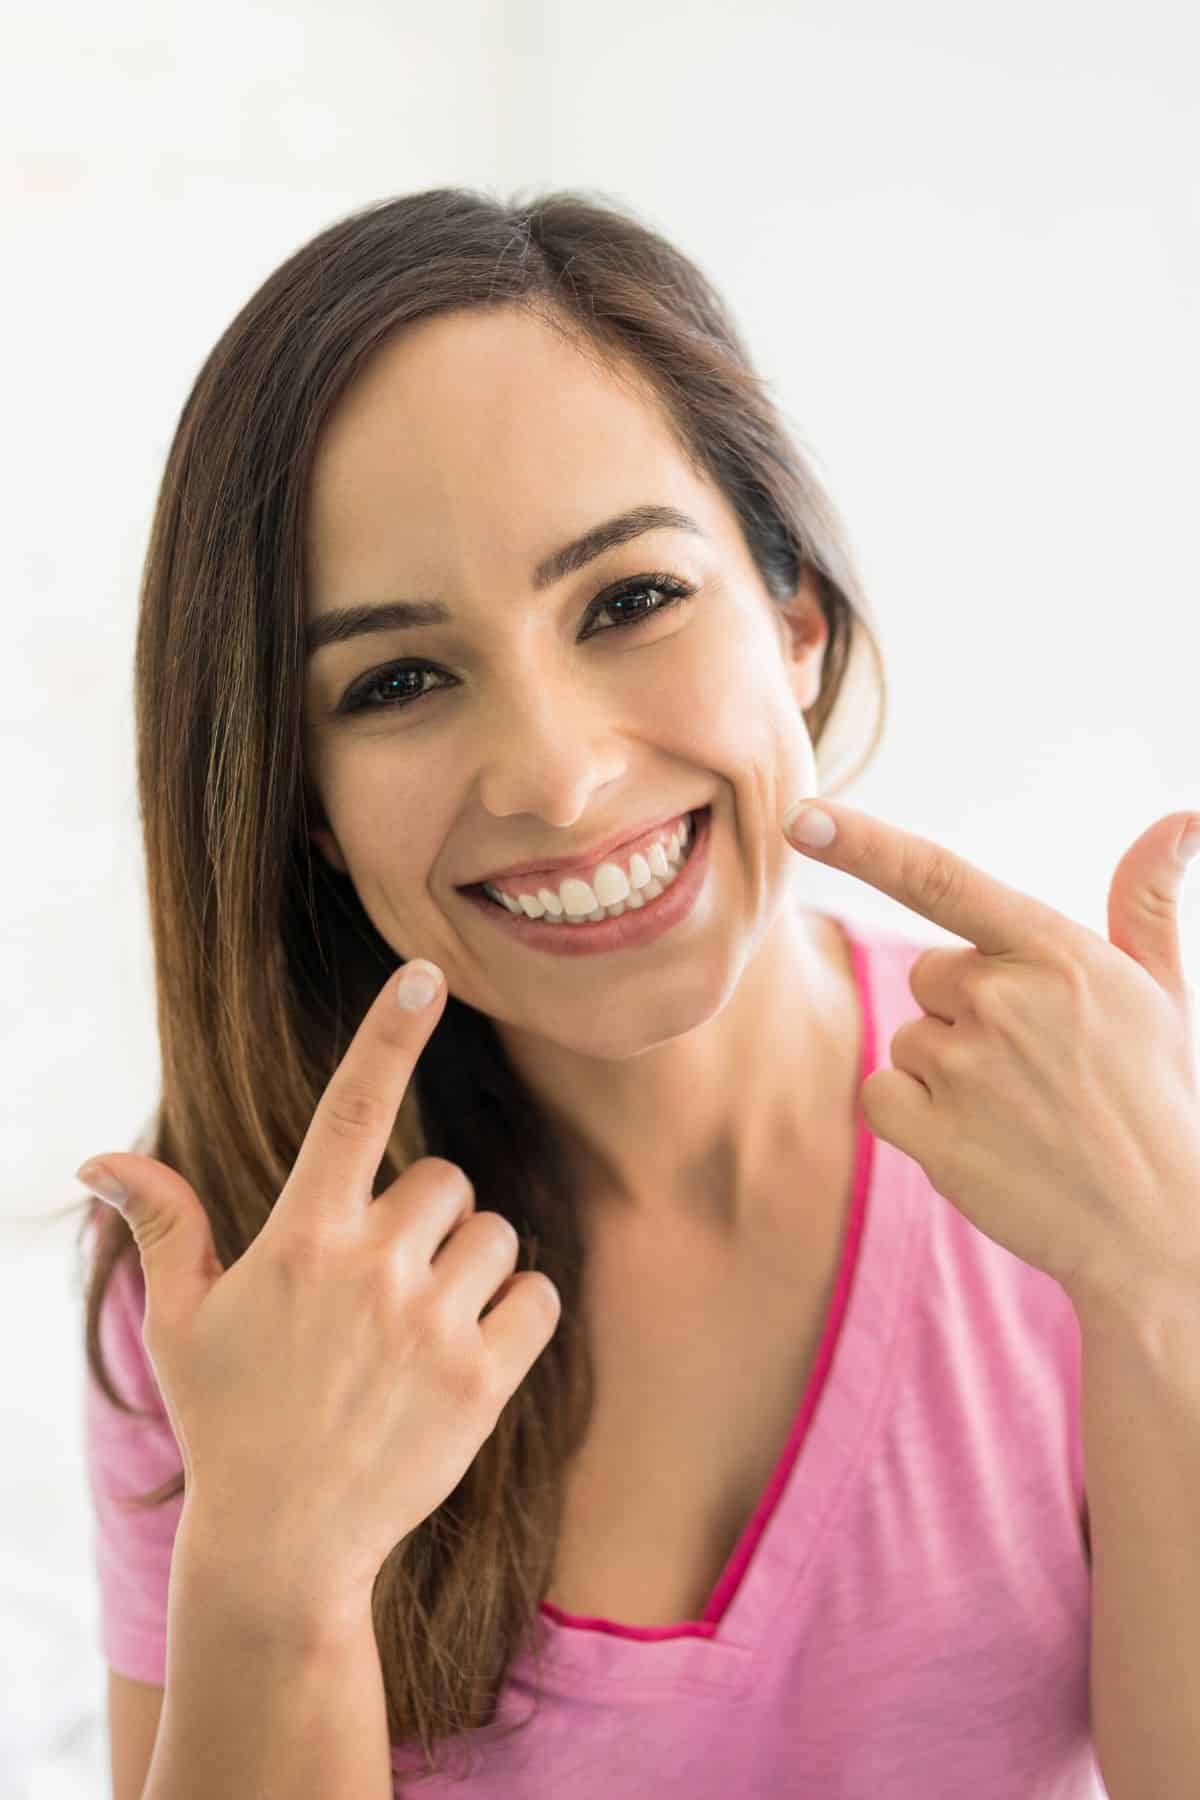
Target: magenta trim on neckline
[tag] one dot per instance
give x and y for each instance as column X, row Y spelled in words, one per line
column 742, row 1553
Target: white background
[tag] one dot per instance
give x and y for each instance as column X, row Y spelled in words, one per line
column 962, row 241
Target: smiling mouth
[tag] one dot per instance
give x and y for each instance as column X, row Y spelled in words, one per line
column 648, row 894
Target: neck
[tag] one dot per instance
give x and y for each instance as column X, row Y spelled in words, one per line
column 689, row 1132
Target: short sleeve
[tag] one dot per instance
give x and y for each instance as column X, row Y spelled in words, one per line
column 127, row 1454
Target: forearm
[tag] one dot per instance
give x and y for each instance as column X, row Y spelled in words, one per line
column 260, row 1709
column 1140, row 1421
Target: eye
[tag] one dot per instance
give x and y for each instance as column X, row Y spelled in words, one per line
column 666, row 585
column 360, row 696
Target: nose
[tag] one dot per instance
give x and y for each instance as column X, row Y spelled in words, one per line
column 549, row 755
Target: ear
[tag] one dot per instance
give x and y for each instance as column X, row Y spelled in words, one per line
column 803, row 634
column 327, row 844
column 319, row 832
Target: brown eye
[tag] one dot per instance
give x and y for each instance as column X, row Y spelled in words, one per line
column 360, row 696
column 665, row 585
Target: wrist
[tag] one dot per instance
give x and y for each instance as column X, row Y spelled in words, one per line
column 277, row 1599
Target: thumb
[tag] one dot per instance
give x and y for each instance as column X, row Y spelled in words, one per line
column 1144, row 897
column 169, row 1225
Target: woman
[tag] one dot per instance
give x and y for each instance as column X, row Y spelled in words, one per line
column 491, row 619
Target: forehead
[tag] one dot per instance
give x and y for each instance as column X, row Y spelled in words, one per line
column 484, row 434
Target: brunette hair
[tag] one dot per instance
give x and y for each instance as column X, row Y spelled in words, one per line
column 264, row 959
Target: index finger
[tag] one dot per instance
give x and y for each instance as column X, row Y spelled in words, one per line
column 343, row 1147
column 931, row 880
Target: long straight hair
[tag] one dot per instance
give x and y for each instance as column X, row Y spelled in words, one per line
column 264, row 960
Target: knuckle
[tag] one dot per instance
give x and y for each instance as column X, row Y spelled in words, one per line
column 501, row 1233
column 391, row 1287
column 302, row 1253
column 479, row 1387
column 986, row 998
column 955, row 1061
column 353, row 1110
column 441, row 1318
column 449, row 1172
column 935, row 877
column 920, row 966
column 462, row 1370
column 1076, row 975
column 149, row 1232
column 548, row 1296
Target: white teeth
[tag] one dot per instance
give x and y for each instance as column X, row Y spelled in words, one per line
column 611, row 892
column 578, row 897
column 610, row 883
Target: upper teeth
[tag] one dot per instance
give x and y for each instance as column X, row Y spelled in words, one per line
column 611, row 884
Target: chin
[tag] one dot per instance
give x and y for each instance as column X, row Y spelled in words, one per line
column 626, row 1032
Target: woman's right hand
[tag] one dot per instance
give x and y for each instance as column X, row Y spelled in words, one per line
column 330, row 1389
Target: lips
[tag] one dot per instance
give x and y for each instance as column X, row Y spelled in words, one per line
column 558, row 870
column 634, row 930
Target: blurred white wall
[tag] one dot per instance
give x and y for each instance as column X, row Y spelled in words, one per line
column 963, row 244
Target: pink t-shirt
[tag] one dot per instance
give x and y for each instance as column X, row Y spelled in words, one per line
column 908, row 1609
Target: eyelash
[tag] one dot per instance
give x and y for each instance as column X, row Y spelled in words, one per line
column 357, row 697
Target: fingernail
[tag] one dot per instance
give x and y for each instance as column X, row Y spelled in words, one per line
column 809, row 825
column 102, row 1182
column 419, row 982
column 1189, row 845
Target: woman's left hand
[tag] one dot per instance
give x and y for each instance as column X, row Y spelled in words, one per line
column 1052, row 1090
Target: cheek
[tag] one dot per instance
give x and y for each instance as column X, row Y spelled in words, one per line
column 747, row 722
column 380, row 807
column 793, row 761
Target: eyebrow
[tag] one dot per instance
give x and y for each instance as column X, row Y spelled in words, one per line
column 341, row 624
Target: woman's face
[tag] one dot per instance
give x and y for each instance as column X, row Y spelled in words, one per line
column 475, row 446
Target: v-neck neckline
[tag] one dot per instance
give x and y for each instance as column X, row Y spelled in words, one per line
column 836, row 1415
